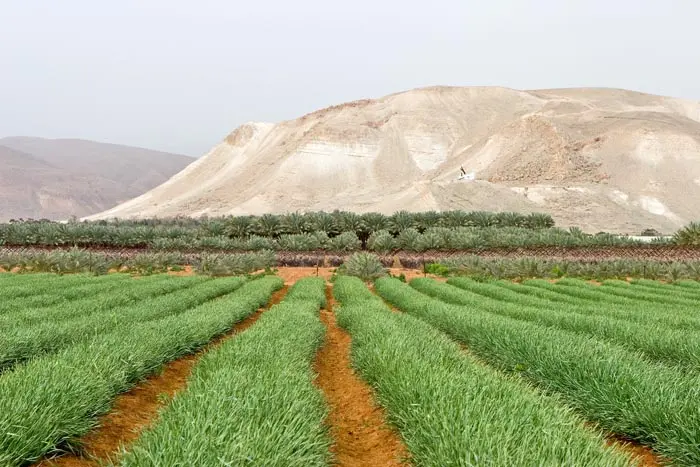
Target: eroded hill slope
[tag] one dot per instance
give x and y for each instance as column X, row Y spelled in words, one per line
column 602, row 159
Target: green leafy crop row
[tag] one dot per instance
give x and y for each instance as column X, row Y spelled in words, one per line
column 251, row 401
column 658, row 339
column 169, row 298
column 49, row 401
column 622, row 390
column 449, row 408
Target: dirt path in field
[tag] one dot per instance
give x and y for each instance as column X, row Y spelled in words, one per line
column 137, row 409
column 292, row 274
column 358, row 426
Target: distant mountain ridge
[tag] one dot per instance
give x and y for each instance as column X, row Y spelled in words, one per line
column 601, row 159
column 60, row 178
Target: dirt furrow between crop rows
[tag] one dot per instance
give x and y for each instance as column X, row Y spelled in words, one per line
column 358, row 426
column 137, row 409
column 644, row 455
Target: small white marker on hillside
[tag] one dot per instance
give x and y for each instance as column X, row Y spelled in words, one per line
column 466, row 176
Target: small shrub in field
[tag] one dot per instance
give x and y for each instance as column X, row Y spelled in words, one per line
column 437, row 269
column 558, row 271
column 401, row 277
column 366, row 266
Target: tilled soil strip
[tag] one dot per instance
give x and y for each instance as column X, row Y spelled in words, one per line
column 358, row 426
column 137, row 409
column 644, row 455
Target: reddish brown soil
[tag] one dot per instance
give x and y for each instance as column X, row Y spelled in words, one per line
column 13, row 270
column 642, row 454
column 185, row 271
column 137, row 409
column 411, row 274
column 360, row 433
column 293, row 274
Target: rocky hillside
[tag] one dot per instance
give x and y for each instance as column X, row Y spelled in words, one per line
column 57, row 179
column 601, row 159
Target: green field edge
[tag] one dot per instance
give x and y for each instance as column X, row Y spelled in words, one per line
column 621, row 390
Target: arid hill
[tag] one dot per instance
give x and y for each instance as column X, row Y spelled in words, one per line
column 601, row 159
column 56, row 179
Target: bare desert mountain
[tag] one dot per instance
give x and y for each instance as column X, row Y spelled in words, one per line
column 602, row 159
column 59, row 178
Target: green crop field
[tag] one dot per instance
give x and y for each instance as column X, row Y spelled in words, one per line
column 464, row 372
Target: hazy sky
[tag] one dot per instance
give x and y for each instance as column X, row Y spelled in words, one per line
column 179, row 75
